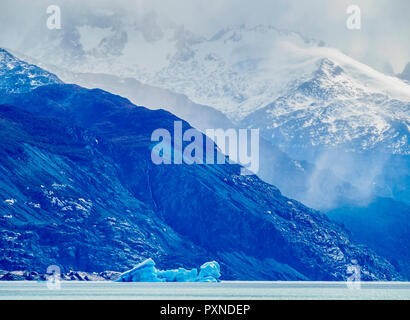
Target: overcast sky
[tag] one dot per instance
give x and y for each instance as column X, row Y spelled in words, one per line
column 384, row 36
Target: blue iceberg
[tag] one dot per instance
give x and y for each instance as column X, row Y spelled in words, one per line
column 209, row 272
column 146, row 272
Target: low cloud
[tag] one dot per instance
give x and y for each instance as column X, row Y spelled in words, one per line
column 383, row 40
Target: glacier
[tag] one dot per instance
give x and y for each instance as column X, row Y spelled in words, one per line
column 147, row 272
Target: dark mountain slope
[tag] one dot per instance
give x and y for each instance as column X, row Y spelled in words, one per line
column 246, row 224
column 65, row 204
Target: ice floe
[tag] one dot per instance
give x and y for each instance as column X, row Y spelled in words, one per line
column 146, row 272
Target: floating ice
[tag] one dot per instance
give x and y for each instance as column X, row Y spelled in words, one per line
column 209, row 272
column 146, row 272
column 143, row 272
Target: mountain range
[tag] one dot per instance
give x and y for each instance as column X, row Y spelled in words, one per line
column 311, row 102
column 80, row 190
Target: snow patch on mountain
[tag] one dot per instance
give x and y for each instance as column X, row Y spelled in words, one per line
column 17, row 76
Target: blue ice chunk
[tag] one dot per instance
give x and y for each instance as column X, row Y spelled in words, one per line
column 143, row 272
column 168, row 275
column 184, row 275
column 146, row 272
column 209, row 272
column 178, row 275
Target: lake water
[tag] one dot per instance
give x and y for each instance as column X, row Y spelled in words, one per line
column 214, row 291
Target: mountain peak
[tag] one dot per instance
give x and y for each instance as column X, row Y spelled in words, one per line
column 329, row 68
column 14, row 71
column 6, row 57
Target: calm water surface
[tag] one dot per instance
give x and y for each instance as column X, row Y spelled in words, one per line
column 214, row 291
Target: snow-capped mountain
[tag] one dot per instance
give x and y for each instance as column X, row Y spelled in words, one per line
column 236, row 70
column 339, row 107
column 240, row 70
